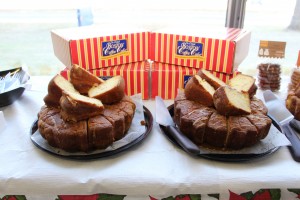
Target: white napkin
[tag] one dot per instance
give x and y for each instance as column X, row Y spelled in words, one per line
column 2, row 122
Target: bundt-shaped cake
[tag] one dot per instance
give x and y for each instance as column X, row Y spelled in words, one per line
column 233, row 121
column 74, row 122
column 295, row 79
column 292, row 102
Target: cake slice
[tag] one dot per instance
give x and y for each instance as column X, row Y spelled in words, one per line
column 76, row 107
column 229, row 101
column 83, row 80
column 117, row 120
column 110, row 91
column 244, row 83
column 257, row 106
column 262, row 124
column 100, row 132
column 293, row 105
column 199, row 90
column 216, row 130
column 68, row 136
column 124, row 109
column 186, row 121
column 199, row 125
column 210, row 78
column 184, row 107
column 241, row 133
column 297, row 90
column 56, row 86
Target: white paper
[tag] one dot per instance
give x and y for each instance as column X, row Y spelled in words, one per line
column 2, row 122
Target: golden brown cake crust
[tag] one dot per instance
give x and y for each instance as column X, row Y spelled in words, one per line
column 216, row 130
column 67, row 136
column 293, row 104
column 224, row 103
column 257, row 106
column 56, row 86
column 210, row 78
column 195, row 90
column 100, row 132
column 201, row 117
column 262, row 124
column 83, row 80
column 241, row 133
column 184, row 107
column 109, row 96
column 75, row 110
column 244, row 83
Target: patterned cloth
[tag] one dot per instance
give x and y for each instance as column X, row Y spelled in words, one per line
column 263, row 194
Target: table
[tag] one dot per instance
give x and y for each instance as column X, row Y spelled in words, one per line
column 154, row 169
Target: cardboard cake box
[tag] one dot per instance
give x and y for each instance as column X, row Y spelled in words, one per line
column 94, row 47
column 136, row 76
column 218, row 49
column 167, row 78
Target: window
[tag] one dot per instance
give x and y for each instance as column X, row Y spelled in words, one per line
column 25, row 25
column 269, row 20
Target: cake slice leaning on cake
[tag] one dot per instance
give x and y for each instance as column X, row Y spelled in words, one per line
column 109, row 92
column 199, row 90
column 76, row 107
column 210, row 78
column 229, row 101
column 83, row 80
column 56, row 86
column 244, row 83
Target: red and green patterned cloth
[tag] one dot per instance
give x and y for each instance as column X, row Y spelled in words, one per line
column 263, row 194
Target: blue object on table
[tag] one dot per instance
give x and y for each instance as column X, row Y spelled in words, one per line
column 85, row 16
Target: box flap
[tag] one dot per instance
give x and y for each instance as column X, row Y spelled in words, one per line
column 93, row 31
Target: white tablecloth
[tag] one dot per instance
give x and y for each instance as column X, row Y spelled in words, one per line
column 155, row 167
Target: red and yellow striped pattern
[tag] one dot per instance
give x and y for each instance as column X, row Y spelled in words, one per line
column 88, row 52
column 136, row 76
column 218, row 54
column 167, row 79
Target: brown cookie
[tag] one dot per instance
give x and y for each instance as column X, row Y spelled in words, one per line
column 269, row 78
column 269, row 67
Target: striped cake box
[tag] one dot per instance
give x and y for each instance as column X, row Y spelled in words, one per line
column 93, row 47
column 136, row 76
column 167, row 78
column 220, row 50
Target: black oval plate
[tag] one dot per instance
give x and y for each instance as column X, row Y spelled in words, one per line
column 91, row 156
column 4, row 72
column 7, row 98
column 223, row 157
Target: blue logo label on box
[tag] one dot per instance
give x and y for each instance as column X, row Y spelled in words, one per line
column 189, row 50
column 105, row 78
column 114, row 48
column 186, row 78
